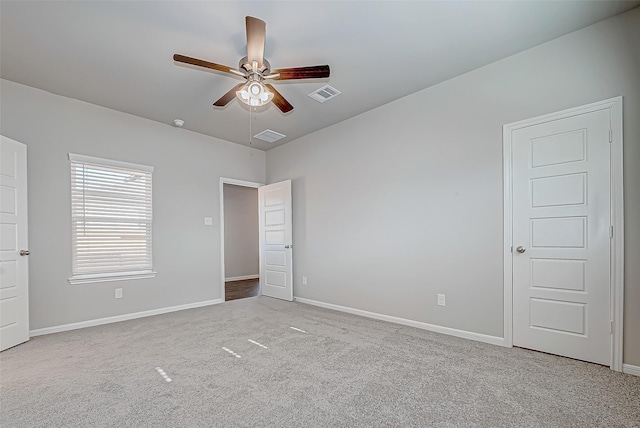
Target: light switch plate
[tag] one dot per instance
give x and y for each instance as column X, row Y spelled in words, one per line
column 208, row 221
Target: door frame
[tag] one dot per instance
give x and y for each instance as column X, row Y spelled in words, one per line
column 616, row 216
column 243, row 183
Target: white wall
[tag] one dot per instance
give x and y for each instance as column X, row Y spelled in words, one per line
column 405, row 201
column 241, row 255
column 188, row 167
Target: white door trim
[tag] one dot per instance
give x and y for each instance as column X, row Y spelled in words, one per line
column 617, row 219
column 223, row 181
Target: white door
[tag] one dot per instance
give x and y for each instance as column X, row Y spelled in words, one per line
column 276, row 267
column 561, row 231
column 14, row 282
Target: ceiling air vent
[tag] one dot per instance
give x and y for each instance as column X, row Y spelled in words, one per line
column 325, row 93
column 269, row 136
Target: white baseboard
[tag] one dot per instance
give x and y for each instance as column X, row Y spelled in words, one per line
column 632, row 370
column 494, row 340
column 242, row 278
column 118, row 318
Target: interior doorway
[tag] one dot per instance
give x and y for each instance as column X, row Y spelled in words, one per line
column 240, row 239
column 563, row 233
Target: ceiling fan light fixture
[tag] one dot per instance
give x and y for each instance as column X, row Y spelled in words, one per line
column 255, row 94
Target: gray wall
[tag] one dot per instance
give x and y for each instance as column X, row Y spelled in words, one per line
column 405, row 201
column 188, row 167
column 241, row 252
column 390, row 207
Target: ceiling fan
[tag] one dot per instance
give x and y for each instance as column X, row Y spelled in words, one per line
column 255, row 69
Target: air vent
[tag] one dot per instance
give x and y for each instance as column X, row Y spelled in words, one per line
column 325, row 93
column 269, row 136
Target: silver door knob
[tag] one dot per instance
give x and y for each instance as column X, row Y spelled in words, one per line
column 25, row 252
column 521, row 249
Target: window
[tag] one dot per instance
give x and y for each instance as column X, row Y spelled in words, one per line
column 110, row 220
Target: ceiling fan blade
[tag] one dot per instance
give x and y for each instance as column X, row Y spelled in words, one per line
column 256, row 35
column 313, row 72
column 206, row 64
column 279, row 100
column 226, row 98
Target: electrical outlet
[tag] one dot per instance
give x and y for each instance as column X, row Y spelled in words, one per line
column 441, row 300
column 304, row 280
column 118, row 293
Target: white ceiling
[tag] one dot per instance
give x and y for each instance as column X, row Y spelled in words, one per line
column 119, row 54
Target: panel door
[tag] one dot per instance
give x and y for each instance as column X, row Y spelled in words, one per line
column 14, row 285
column 561, row 237
column 276, row 248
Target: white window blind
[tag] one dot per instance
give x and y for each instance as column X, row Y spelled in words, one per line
column 111, row 216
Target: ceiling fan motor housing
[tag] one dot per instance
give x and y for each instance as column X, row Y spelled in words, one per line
column 245, row 65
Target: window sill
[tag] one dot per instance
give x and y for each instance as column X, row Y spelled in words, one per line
column 106, row 277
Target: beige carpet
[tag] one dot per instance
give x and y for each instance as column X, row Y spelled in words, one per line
column 340, row 371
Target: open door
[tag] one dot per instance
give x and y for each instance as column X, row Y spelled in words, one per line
column 14, row 282
column 276, row 267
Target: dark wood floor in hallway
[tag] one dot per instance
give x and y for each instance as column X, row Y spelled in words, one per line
column 234, row 290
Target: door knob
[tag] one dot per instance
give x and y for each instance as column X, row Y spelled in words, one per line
column 25, row 252
column 521, row 249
